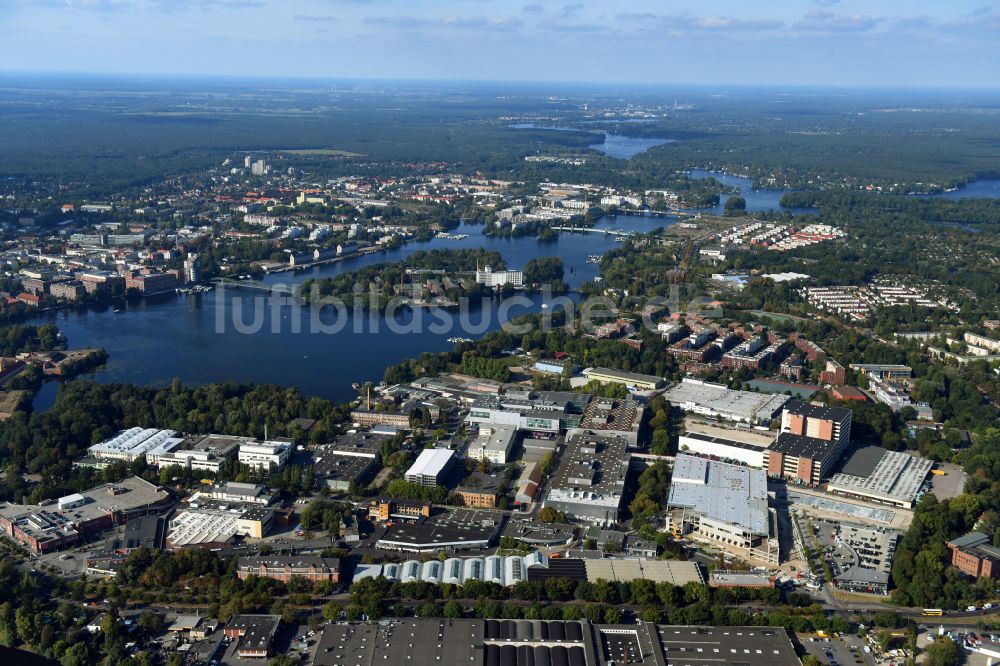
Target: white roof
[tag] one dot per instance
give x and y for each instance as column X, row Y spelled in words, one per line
column 720, row 491
column 136, row 441
column 430, row 462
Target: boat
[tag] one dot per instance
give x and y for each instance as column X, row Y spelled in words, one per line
column 459, row 340
column 545, row 306
column 594, row 259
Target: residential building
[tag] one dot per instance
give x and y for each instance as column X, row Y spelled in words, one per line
column 491, row 278
column 69, row 290
column 192, row 272
column 834, row 374
column 151, row 283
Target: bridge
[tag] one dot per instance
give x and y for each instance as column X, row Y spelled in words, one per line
column 280, row 289
column 589, row 230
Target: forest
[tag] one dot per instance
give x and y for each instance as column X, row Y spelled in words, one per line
column 46, row 443
column 815, row 140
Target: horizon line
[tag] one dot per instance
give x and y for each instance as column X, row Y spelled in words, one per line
column 249, row 78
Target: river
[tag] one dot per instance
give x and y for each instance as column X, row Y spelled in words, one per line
column 183, row 335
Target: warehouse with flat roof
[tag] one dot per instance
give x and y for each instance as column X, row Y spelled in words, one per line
column 476, row 642
column 629, row 379
column 718, row 401
column 889, row 477
column 589, row 483
column 431, row 467
column 724, row 504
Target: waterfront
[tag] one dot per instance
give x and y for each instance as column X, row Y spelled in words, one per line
column 178, row 335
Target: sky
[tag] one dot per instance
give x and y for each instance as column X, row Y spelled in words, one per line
column 890, row 43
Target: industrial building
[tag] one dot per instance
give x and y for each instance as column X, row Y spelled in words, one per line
column 889, row 477
column 243, row 493
column 431, row 467
column 620, row 417
column 211, row 525
column 890, row 371
column 589, row 483
column 458, row 529
column 44, row 529
column 128, row 445
column 264, row 455
column 506, row 571
column 480, row 490
column 206, row 454
column 723, row 504
column 718, row 401
column 494, row 444
column 255, row 634
column 432, row 642
column 630, row 379
column 975, row 555
column 744, row 446
column 351, row 459
column 384, row 510
column 547, row 413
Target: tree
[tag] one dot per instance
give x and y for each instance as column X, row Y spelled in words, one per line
column 77, row 655
column 452, row 609
column 550, row 515
column 942, row 652
column 735, row 205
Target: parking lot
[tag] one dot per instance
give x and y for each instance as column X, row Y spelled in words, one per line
column 843, row 545
column 950, row 484
column 846, row 650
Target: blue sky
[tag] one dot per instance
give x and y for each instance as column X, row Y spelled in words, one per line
column 836, row 42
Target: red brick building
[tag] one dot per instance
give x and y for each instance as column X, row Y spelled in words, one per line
column 286, row 567
column 975, row 555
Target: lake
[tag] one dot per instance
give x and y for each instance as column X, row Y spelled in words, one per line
column 757, row 199
column 614, row 145
column 761, row 200
column 193, row 338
